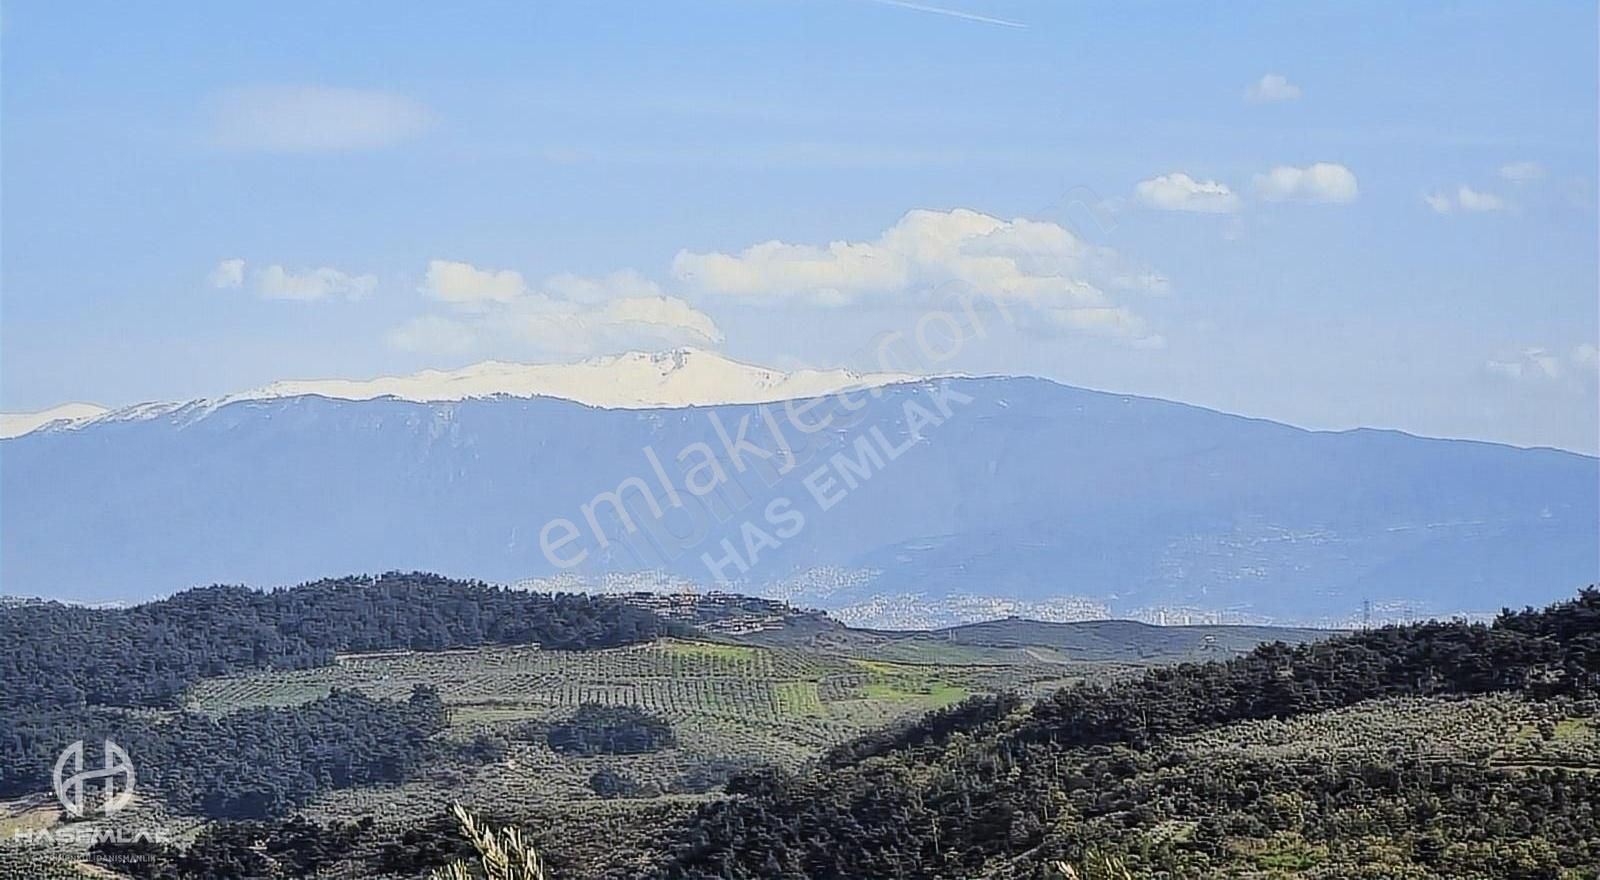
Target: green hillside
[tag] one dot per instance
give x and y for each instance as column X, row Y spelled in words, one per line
column 777, row 744
column 1440, row 750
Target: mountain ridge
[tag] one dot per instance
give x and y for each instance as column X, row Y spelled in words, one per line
column 19, row 423
column 1028, row 490
column 744, row 383
column 680, row 377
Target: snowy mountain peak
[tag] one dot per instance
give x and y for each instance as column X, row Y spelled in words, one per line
column 636, row 380
column 17, row 424
column 680, row 377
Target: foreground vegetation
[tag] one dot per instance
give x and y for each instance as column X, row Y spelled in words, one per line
column 119, row 674
column 621, row 737
column 1003, row 791
column 1428, row 751
column 252, row 764
column 148, row 655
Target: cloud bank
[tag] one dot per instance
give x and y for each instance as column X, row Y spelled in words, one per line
column 929, row 258
column 277, row 282
column 466, row 284
column 567, row 314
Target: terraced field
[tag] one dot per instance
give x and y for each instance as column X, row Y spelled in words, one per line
column 729, row 704
column 815, row 698
column 779, row 697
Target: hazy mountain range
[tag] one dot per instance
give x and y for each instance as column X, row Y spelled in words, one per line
column 993, row 495
column 636, row 380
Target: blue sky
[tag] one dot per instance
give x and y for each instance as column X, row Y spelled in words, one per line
column 1333, row 215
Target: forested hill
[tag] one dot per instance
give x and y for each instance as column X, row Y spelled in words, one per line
column 61, row 656
column 994, row 788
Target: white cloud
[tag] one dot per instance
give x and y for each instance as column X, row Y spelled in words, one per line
column 931, row 257
column 1180, row 192
column 1522, row 171
column 1578, row 369
column 229, row 275
column 310, row 119
column 276, row 282
column 561, row 326
column 1272, row 87
column 1321, row 182
column 661, row 312
column 1464, row 198
column 1471, row 200
column 465, row 283
column 624, row 284
column 567, row 314
column 830, row 275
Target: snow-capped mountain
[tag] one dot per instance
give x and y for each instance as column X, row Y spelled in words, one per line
column 636, row 380
column 1007, row 489
column 67, row 414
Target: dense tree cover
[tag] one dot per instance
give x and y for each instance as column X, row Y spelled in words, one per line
column 61, row 656
column 934, row 728
column 1152, row 771
column 249, row 764
column 609, row 782
column 596, row 729
column 978, row 791
column 268, row 850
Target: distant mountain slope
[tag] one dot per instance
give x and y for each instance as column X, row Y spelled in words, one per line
column 17, row 424
column 1096, row 640
column 1017, row 639
column 635, row 380
column 996, row 487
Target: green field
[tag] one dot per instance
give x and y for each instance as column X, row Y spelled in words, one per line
column 729, row 703
column 732, row 704
column 802, row 699
column 736, row 704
